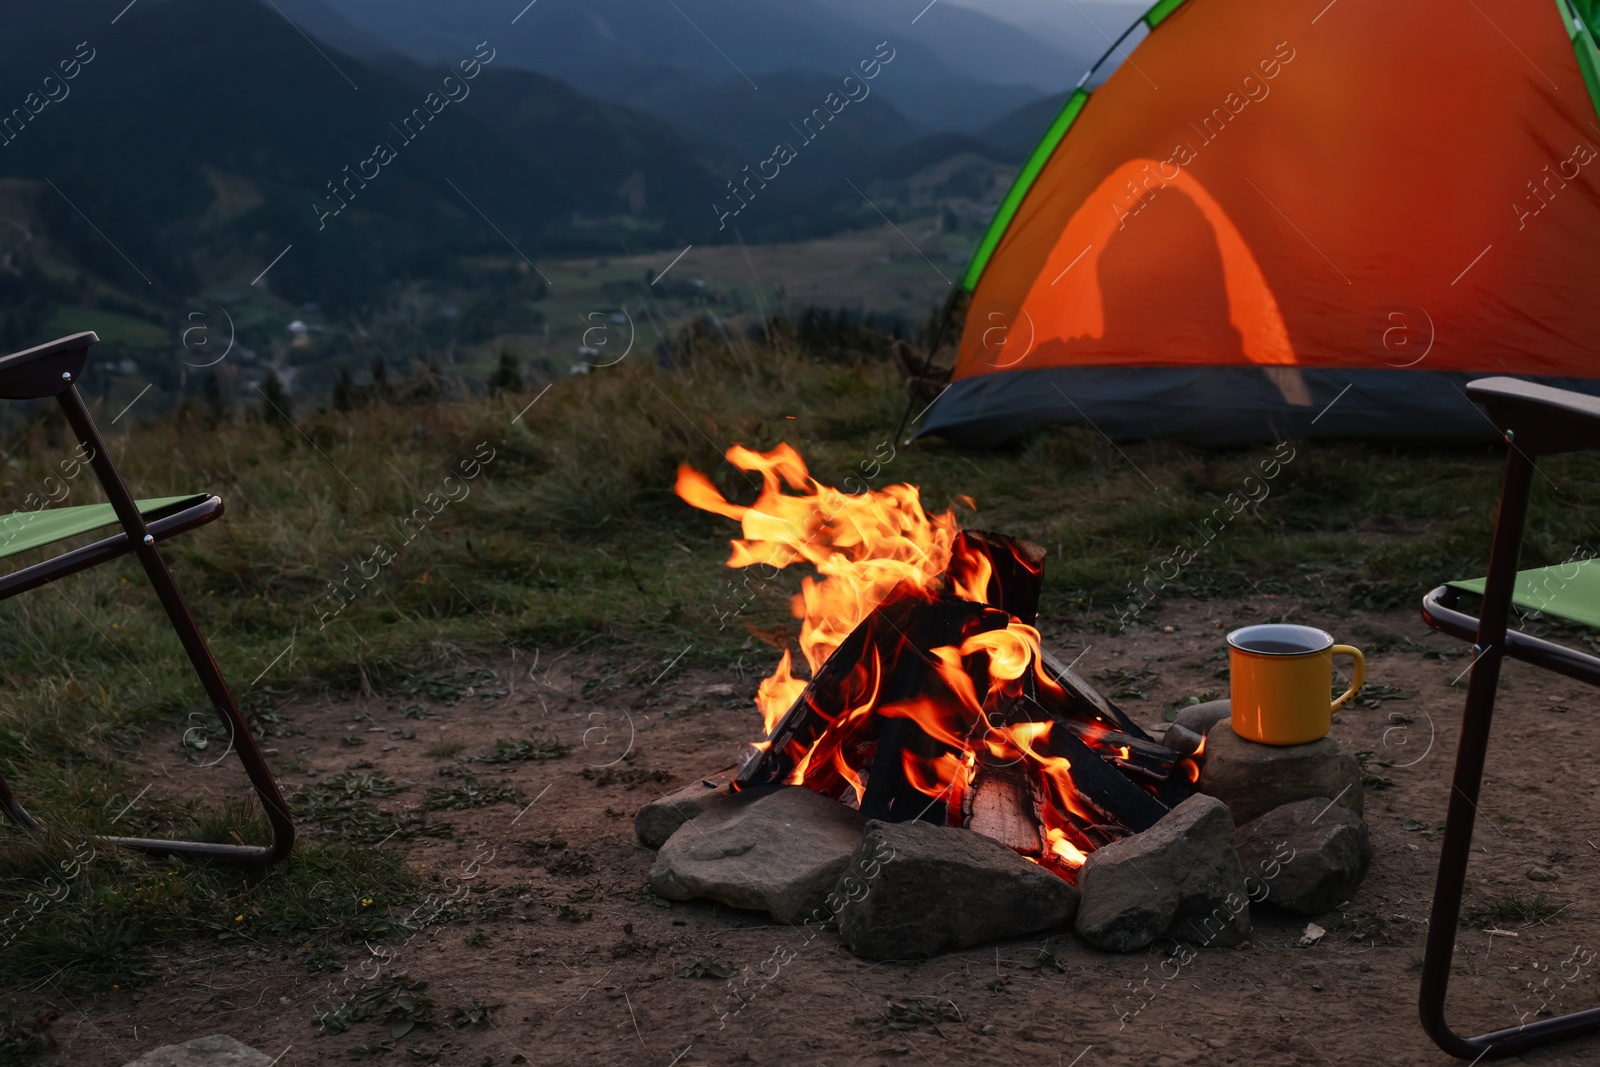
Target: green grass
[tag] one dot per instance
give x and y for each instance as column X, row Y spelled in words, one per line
column 1510, row 910
column 571, row 535
column 109, row 325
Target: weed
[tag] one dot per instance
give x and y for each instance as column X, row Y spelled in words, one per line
column 1048, row 958
column 914, row 1012
column 574, row 862
column 706, row 968
column 628, row 776
column 522, row 751
column 397, row 1001
column 444, row 749
column 445, row 686
column 1509, row 909
column 476, row 1013
column 342, row 804
column 468, row 793
column 1371, row 779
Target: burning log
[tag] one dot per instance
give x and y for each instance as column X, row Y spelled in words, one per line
column 1015, row 571
column 884, row 660
column 1000, row 805
column 1082, row 697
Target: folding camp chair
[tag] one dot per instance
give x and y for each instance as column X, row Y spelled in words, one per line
column 1536, row 421
column 52, row 370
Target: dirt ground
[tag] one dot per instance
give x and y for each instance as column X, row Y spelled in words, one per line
column 582, row 962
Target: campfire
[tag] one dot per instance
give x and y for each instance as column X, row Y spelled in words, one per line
column 925, row 691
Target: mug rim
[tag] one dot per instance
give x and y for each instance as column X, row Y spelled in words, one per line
column 1298, row 629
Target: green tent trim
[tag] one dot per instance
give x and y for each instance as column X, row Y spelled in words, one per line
column 1069, row 113
column 1580, row 16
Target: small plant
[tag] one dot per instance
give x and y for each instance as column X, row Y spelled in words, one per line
column 444, row 749
column 1508, row 909
column 574, row 862
column 915, row 1012
column 398, row 1001
column 1047, row 958
column 443, row 686
column 1371, row 779
column 342, row 804
column 475, row 1014
column 570, row 913
column 468, row 793
column 21, row 1039
column 522, row 751
column 628, row 776
column 705, row 968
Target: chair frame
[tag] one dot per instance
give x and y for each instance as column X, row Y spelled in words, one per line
column 52, row 370
column 1535, row 421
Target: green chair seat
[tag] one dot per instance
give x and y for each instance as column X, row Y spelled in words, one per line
column 24, row 530
column 1568, row 591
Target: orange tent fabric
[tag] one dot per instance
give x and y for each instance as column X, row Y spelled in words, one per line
column 1295, row 191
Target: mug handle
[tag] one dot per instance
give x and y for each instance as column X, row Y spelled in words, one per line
column 1360, row 672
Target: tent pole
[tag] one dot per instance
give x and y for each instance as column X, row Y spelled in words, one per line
column 927, row 364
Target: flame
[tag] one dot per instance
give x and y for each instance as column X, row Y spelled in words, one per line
column 863, row 546
column 1069, row 853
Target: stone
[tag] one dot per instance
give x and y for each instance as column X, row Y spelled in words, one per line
column 1304, row 858
column 1253, row 778
column 1200, row 718
column 1540, row 874
column 915, row 890
column 217, row 1050
column 659, row 819
column 777, row 850
column 1181, row 878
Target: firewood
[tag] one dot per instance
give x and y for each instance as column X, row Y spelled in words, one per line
column 1082, row 693
column 1017, row 574
column 1000, row 805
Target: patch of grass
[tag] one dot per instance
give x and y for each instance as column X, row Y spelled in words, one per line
column 469, row 793
column 104, row 910
column 521, row 751
column 342, row 804
column 628, row 776
column 24, row 1037
column 912, row 1013
column 397, row 1003
column 446, row 686
column 1509, row 909
column 444, row 749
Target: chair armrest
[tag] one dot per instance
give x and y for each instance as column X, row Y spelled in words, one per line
column 1545, row 420
column 46, row 369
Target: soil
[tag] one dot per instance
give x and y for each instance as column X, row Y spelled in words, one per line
column 582, row 965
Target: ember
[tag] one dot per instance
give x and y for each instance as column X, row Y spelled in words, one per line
column 929, row 694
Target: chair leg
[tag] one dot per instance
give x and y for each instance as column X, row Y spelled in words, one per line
column 255, row 765
column 1455, row 850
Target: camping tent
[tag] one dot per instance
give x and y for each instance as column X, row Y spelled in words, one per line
column 1318, row 218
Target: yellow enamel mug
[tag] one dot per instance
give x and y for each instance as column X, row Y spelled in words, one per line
column 1281, row 675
